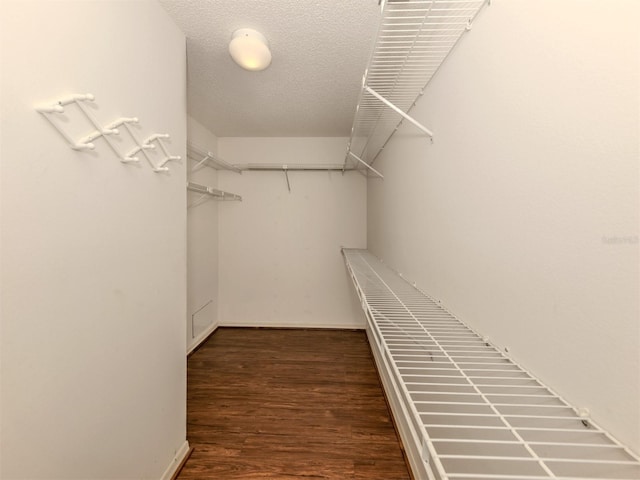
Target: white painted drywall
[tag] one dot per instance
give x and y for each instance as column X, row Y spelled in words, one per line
column 280, row 261
column 93, row 257
column 202, row 240
column 522, row 217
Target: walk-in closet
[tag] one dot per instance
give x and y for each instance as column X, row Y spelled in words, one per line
column 355, row 239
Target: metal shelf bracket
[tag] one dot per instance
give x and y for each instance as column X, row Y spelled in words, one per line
column 285, row 169
column 398, row 110
column 376, row 172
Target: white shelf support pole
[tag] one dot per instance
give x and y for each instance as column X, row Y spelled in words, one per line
column 285, row 169
column 399, row 111
column 199, row 165
column 366, row 164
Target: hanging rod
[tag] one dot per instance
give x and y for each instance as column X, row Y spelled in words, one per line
column 205, row 190
column 286, row 168
column 204, row 157
column 267, row 167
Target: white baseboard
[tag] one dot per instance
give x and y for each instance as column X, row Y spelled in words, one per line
column 355, row 325
column 195, row 343
column 177, row 460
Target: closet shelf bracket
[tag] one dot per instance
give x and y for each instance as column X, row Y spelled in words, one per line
column 376, row 172
column 399, row 111
column 204, row 158
column 285, row 169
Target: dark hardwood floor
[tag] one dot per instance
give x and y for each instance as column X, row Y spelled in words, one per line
column 283, row 404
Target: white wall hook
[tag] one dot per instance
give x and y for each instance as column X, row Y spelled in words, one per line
column 168, row 159
column 58, row 107
column 50, row 109
column 78, row 97
column 122, row 121
column 83, row 146
column 156, row 136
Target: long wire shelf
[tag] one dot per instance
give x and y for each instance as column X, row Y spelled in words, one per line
column 204, row 158
column 469, row 411
column 212, row 192
column 414, row 38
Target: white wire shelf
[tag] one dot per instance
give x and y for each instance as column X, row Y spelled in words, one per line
column 204, row 158
column 414, row 38
column 207, row 191
column 472, row 413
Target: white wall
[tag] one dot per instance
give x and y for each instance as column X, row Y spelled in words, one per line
column 522, row 217
column 93, row 251
column 202, row 242
column 280, row 261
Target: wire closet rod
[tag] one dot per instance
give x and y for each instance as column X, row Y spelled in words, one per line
column 266, row 167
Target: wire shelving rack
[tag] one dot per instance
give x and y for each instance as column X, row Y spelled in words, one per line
column 472, row 412
column 414, row 38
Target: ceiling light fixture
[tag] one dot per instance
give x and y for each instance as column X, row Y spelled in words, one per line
column 249, row 49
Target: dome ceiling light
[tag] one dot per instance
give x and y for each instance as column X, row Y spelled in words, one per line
column 249, row 49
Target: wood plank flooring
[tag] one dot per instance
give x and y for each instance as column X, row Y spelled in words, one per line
column 286, row 404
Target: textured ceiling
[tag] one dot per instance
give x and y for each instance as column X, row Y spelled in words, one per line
column 320, row 50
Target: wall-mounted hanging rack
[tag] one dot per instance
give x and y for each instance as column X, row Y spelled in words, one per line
column 204, row 158
column 414, row 38
column 211, row 192
column 157, row 137
column 86, row 142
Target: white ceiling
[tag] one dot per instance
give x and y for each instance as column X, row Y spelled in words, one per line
column 320, row 50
